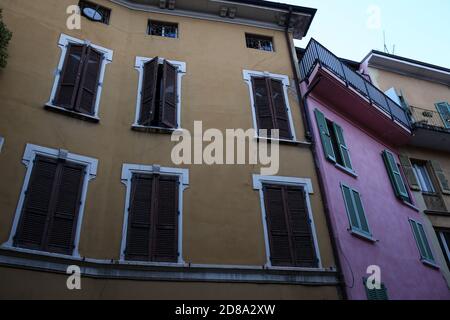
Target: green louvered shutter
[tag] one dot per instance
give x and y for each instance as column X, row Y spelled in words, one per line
column 409, row 172
column 325, row 136
column 376, row 294
column 355, row 211
column 343, row 149
column 395, row 175
column 441, row 177
column 444, row 110
column 422, row 242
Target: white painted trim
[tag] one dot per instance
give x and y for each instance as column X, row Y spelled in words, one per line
column 63, row 42
column 127, row 173
column 139, row 66
column 31, row 151
column 248, row 74
column 306, row 183
column 2, row 141
column 444, row 243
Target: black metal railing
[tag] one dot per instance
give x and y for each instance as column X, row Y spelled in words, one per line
column 428, row 118
column 316, row 53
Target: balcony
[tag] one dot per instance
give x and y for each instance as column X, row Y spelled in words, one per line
column 348, row 92
column 429, row 129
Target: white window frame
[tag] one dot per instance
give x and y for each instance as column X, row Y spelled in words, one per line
column 63, row 44
column 31, row 151
column 258, row 181
column 248, row 74
column 421, row 178
column 2, row 141
column 127, row 173
column 444, row 244
column 139, row 66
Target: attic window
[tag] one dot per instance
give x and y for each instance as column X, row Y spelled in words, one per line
column 259, row 42
column 94, row 12
column 163, row 29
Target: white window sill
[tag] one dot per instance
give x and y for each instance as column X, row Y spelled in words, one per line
column 153, row 129
column 277, row 268
column 406, row 203
column 74, row 114
column 430, row 264
column 346, row 170
column 9, row 247
column 362, row 235
column 284, row 141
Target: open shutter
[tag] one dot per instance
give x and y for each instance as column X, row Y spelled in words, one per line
column 139, row 218
column 279, row 241
column 35, row 212
column 409, row 172
column 63, row 222
column 87, row 92
column 441, row 177
column 343, row 149
column 350, row 207
column 280, row 109
column 444, row 110
column 421, row 240
column 165, row 234
column 70, row 76
column 262, row 104
column 150, row 79
column 395, row 175
column 325, row 136
column 169, row 96
column 300, row 226
column 363, row 225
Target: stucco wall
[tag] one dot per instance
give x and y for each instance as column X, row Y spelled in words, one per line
column 395, row 250
column 222, row 221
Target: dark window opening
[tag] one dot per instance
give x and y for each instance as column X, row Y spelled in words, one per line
column 259, row 42
column 163, row 29
column 94, row 12
column 335, row 143
column 444, row 241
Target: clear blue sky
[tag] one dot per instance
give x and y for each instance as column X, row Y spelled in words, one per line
column 420, row 29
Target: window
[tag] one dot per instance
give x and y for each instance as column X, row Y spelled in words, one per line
column 355, row 212
column 153, row 224
column 271, row 108
column 333, row 141
column 50, row 209
column 441, row 176
column 289, row 231
column 376, row 294
column 94, row 12
column 444, row 241
column 158, row 101
column 163, row 29
column 2, row 140
column 78, row 83
column 421, row 171
column 259, row 42
column 395, row 176
column 422, row 243
column 444, row 110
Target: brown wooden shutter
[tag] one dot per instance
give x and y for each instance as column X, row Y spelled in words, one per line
column 140, row 218
column 66, row 205
column 70, row 77
column 441, row 177
column 280, row 243
column 165, row 233
column 169, row 96
column 280, row 109
column 409, row 172
column 35, row 213
column 148, row 93
column 262, row 103
column 87, row 92
column 300, row 226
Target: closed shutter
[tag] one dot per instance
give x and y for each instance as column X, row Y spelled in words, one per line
column 35, row 212
column 89, row 82
column 264, row 114
column 62, row 226
column 395, row 175
column 50, row 213
column 165, row 244
column 70, row 77
column 444, row 110
column 325, row 136
column 355, row 211
column 422, row 242
column 140, row 214
column 169, row 96
column 280, row 109
column 290, row 236
column 409, row 172
column 376, row 294
column 150, row 80
column 343, row 149
column 441, row 177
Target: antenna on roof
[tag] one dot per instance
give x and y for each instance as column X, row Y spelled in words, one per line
column 385, row 47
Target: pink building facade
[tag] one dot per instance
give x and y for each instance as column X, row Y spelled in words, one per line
column 372, row 214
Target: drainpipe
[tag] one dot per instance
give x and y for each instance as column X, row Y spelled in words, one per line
column 310, row 136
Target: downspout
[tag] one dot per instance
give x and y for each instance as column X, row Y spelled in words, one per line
column 310, row 136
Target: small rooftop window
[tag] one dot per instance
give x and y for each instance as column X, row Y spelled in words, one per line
column 94, row 12
column 163, row 29
column 259, row 42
